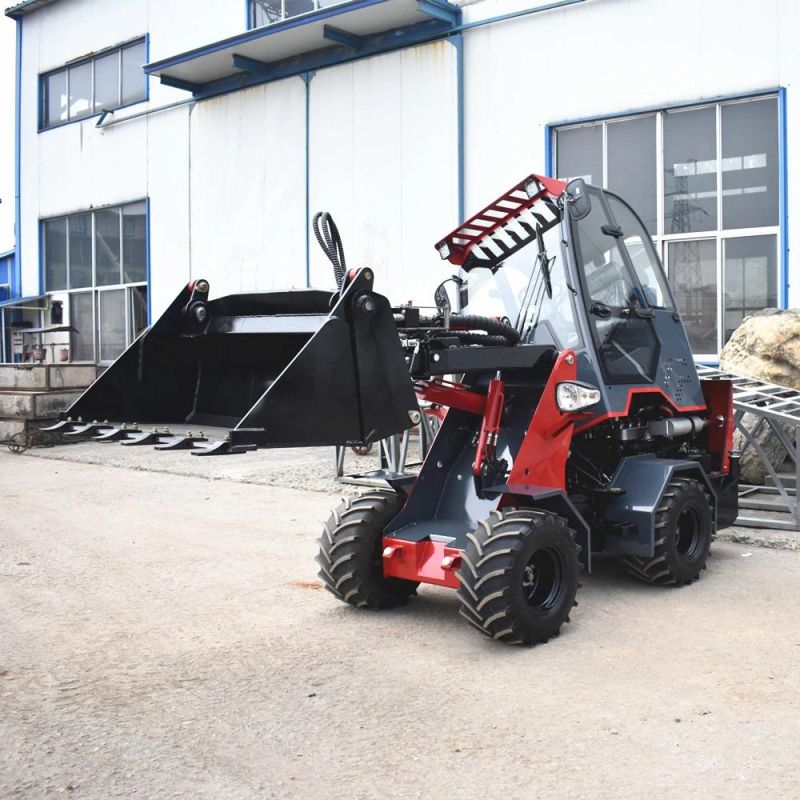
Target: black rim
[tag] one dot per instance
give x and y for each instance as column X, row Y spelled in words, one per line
column 688, row 541
column 543, row 580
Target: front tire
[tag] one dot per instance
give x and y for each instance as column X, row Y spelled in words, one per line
column 350, row 552
column 684, row 529
column 519, row 576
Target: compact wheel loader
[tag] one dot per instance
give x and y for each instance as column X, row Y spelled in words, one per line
column 575, row 421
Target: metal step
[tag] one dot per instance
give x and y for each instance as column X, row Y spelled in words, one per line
column 787, row 479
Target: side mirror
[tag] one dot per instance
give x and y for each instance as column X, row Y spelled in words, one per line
column 441, row 297
column 580, row 204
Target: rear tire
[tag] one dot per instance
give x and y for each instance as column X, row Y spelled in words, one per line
column 351, row 548
column 684, row 529
column 519, row 576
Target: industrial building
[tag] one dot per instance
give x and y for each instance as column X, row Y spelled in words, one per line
column 162, row 142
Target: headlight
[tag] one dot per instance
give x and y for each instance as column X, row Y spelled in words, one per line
column 532, row 188
column 444, row 250
column 575, row 396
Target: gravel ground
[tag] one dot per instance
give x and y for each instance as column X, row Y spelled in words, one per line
column 164, row 635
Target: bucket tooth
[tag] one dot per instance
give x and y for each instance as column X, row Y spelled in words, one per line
column 222, row 448
column 64, row 426
column 88, row 429
column 181, row 442
column 147, row 437
column 117, row 434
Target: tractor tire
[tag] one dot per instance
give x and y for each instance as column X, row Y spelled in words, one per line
column 519, row 576
column 351, row 552
column 684, row 529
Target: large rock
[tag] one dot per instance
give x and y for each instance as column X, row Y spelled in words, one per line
column 765, row 346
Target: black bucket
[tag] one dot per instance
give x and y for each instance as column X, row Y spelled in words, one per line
column 280, row 369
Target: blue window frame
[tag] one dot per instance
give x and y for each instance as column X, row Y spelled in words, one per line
column 709, row 180
column 105, row 81
column 265, row 12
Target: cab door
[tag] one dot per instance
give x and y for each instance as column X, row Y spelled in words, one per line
column 623, row 289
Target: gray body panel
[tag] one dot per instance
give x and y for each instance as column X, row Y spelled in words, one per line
column 644, row 479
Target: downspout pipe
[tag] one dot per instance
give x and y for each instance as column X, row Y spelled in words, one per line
column 16, row 282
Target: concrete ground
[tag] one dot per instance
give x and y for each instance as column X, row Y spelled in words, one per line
column 165, row 635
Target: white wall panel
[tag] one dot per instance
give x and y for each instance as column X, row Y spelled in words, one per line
column 384, row 162
column 69, row 30
column 605, row 57
column 168, row 190
column 77, row 166
column 383, row 130
column 82, row 166
column 248, row 188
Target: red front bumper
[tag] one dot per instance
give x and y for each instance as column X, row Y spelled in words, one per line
column 425, row 561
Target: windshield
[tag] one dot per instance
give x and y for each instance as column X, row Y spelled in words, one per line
column 518, row 289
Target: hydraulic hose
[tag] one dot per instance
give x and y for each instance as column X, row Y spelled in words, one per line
column 327, row 234
column 484, row 339
column 494, row 327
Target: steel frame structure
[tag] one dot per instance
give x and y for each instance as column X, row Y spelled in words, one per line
column 778, row 408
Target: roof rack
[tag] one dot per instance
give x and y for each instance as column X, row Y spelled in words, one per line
column 504, row 226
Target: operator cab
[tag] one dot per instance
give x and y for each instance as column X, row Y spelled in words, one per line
column 616, row 284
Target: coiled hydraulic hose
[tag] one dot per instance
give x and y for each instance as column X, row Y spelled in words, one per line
column 494, row 332
column 499, row 332
column 330, row 241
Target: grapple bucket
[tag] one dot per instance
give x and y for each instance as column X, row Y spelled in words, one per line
column 279, row 369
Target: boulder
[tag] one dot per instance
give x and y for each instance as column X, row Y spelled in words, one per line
column 765, row 346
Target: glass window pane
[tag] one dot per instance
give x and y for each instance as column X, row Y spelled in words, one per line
column 266, row 11
column 55, row 103
column 631, row 163
column 579, row 152
column 107, row 247
column 106, row 81
column 138, row 310
column 134, row 243
column 750, row 164
column 690, row 171
column 750, row 278
column 80, row 91
column 111, row 306
column 626, row 343
column 81, row 317
column 80, row 251
column 133, row 77
column 295, row 7
column 642, row 254
column 693, row 278
column 55, row 254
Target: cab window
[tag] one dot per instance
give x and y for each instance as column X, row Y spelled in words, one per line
column 642, row 254
column 617, row 303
